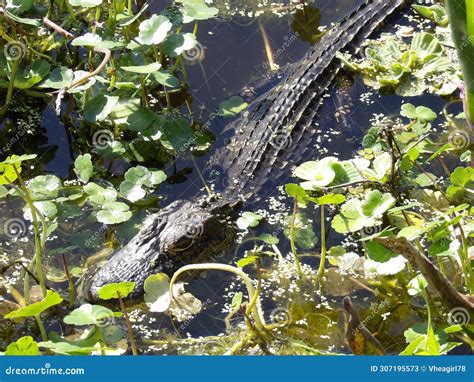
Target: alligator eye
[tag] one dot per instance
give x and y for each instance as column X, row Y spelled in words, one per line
column 181, row 246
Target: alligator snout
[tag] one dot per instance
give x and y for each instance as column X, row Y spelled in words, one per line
column 182, row 233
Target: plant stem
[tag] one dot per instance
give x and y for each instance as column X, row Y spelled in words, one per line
column 44, row 335
column 292, row 238
column 254, row 300
column 70, row 10
column 72, row 295
column 129, row 326
column 11, row 85
column 470, row 19
column 256, row 309
column 39, row 241
column 323, row 246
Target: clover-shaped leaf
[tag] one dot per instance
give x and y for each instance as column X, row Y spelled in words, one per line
column 116, row 290
column 154, row 30
column 382, row 165
column 304, row 234
column 18, row 159
column 91, row 40
column 269, row 239
column 376, row 203
column 88, row 314
column 178, row 43
column 417, row 285
column 59, row 78
column 132, row 191
column 46, row 208
column 157, row 177
column 248, row 219
column 462, row 183
column 317, row 174
column 421, row 113
column 296, row 192
column 197, row 10
column 351, row 218
column 390, row 267
column 114, row 213
column 99, row 195
column 356, row 214
column 83, row 167
column 44, row 187
column 23, row 346
column 10, row 166
column 8, row 172
column 138, row 175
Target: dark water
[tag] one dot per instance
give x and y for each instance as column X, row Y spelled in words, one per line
column 235, row 59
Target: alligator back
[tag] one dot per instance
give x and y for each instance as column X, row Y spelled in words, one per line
column 276, row 123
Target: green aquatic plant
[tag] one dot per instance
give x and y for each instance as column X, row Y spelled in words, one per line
column 36, row 309
column 120, row 291
column 122, row 80
column 31, row 193
column 461, row 17
column 435, row 12
column 407, row 69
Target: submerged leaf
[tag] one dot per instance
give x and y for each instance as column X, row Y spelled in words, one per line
column 233, row 106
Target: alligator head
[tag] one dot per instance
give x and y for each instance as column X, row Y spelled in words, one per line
column 180, row 234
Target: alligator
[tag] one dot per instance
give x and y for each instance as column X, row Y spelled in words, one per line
column 275, row 124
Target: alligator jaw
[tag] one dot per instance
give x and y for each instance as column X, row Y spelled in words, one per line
column 180, row 234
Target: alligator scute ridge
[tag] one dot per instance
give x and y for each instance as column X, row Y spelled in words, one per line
column 165, row 242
